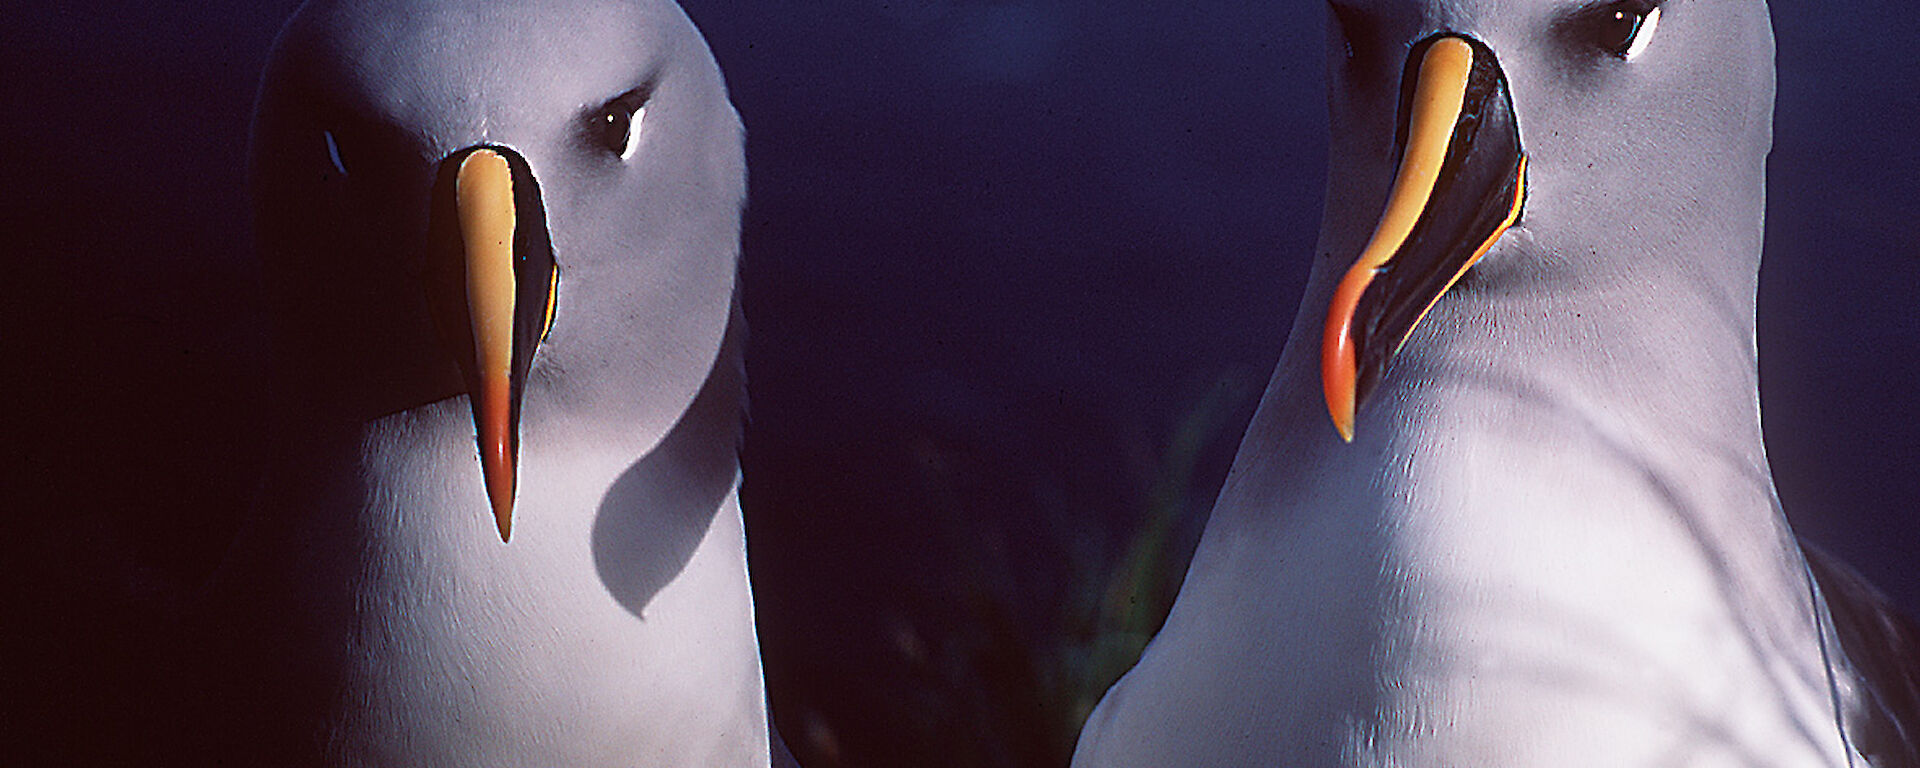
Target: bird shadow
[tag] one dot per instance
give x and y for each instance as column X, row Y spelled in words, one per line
column 653, row 517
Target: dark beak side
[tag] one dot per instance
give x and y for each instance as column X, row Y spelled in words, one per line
column 1461, row 182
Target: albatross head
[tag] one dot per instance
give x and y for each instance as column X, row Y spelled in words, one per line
column 1607, row 155
column 522, row 203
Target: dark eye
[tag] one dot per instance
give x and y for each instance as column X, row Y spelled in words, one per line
column 333, row 152
column 1625, row 29
column 1364, row 43
column 616, row 126
column 1355, row 30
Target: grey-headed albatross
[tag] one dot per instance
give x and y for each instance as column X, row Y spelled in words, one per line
column 500, row 525
column 1505, row 502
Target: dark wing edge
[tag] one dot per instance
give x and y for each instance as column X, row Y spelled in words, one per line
column 1881, row 646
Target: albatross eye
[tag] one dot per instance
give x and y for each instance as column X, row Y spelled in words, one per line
column 333, row 152
column 616, row 126
column 1625, row 29
column 616, row 129
column 1358, row 33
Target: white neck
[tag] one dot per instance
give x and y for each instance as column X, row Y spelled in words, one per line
column 388, row 625
column 1547, row 545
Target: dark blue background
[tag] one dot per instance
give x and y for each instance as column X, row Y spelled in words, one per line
column 1015, row 272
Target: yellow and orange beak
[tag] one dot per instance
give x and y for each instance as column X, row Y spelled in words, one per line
column 492, row 291
column 1460, row 184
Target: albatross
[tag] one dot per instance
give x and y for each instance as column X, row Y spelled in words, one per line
column 1505, row 499
column 500, row 525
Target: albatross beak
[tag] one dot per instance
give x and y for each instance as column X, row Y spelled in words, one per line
column 1460, row 184
column 492, row 291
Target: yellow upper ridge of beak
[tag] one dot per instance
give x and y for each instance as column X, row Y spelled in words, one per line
column 483, row 194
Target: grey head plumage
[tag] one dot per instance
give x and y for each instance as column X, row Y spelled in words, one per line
column 1645, row 131
column 500, row 522
column 626, row 154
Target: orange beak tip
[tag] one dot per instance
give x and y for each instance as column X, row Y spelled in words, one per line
column 1339, row 366
column 1340, row 404
column 1340, row 407
column 503, row 518
column 1339, row 377
column 498, row 471
column 500, row 490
